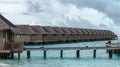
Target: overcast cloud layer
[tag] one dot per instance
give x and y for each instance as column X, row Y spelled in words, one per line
column 98, row 14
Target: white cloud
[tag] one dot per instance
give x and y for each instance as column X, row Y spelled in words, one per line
column 55, row 13
column 13, row 8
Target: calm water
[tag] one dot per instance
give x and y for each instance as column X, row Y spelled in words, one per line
column 53, row 59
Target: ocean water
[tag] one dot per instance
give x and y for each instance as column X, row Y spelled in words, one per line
column 69, row 57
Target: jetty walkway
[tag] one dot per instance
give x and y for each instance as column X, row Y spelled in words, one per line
column 77, row 49
column 110, row 49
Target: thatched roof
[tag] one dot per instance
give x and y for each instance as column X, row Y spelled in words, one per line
column 111, row 32
column 38, row 29
column 108, row 32
column 84, row 31
column 89, row 31
column 24, row 29
column 27, row 29
column 93, row 31
column 48, row 30
column 100, row 32
column 72, row 30
column 6, row 24
column 78, row 31
column 65, row 30
column 103, row 31
column 57, row 30
column 97, row 32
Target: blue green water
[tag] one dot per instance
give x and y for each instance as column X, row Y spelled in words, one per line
column 69, row 57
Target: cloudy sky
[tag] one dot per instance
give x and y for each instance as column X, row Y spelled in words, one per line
column 98, row 14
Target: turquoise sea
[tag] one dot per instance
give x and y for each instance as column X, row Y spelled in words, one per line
column 69, row 57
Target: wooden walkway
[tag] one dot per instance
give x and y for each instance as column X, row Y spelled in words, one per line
column 73, row 48
column 5, row 51
column 61, row 49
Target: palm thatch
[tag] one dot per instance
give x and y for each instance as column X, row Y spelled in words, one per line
column 24, row 29
column 38, row 30
column 72, row 30
column 5, row 24
column 65, row 30
column 48, row 30
column 57, row 30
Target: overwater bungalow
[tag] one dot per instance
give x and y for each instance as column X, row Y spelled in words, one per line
column 38, row 34
column 8, row 45
column 85, row 34
column 58, row 35
column 27, row 33
column 24, row 35
column 13, row 36
column 49, row 34
column 73, row 34
column 111, row 35
column 79, row 34
column 67, row 34
column 89, row 34
column 100, row 35
column 97, row 35
column 104, row 34
column 6, row 32
column 93, row 34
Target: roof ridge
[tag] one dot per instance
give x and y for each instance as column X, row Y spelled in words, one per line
column 7, row 22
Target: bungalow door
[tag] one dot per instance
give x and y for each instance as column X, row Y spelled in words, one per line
column 8, row 36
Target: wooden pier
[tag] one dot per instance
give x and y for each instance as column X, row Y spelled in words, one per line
column 77, row 49
column 4, row 53
column 116, row 51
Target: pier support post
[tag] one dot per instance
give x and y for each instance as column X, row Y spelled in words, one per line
column 3, row 55
column 28, row 54
column 78, row 53
column 110, row 53
column 12, row 55
column 44, row 53
column 19, row 55
column 94, row 53
column 61, row 53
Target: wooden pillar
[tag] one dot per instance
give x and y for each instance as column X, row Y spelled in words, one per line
column 12, row 55
column 0, row 56
column 94, row 53
column 3, row 55
column 28, row 54
column 61, row 53
column 44, row 53
column 19, row 55
column 78, row 53
column 110, row 53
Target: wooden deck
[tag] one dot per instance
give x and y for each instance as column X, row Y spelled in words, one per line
column 78, row 49
column 111, row 48
column 114, row 45
column 73, row 48
column 117, row 45
column 5, row 51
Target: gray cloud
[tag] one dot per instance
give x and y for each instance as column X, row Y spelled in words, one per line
column 50, row 9
column 69, row 13
column 110, row 7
